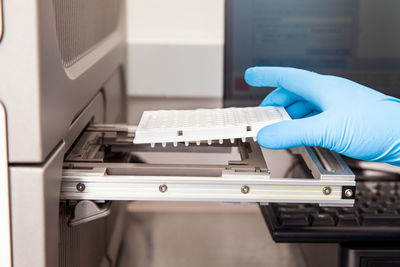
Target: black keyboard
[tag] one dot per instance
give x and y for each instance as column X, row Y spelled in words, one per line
column 375, row 216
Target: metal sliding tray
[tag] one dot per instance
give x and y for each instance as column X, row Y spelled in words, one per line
column 105, row 165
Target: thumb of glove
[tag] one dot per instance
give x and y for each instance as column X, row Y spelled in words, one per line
column 292, row 133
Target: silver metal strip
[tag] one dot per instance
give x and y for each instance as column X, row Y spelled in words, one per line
column 83, row 186
column 326, row 165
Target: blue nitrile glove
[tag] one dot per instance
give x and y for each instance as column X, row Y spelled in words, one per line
column 329, row 112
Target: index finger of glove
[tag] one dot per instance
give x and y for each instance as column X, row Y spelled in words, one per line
column 308, row 85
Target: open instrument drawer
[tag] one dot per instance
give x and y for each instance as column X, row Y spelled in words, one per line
column 104, row 164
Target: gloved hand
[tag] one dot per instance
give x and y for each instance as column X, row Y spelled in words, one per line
column 329, row 112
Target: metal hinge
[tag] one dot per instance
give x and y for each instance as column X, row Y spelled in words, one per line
column 86, row 211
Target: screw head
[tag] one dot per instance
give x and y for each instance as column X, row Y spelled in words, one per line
column 80, row 187
column 348, row 192
column 327, row 190
column 163, row 188
column 245, row 189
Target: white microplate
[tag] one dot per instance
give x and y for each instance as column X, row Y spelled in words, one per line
column 205, row 125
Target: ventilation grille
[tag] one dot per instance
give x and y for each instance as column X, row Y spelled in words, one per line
column 82, row 24
column 69, row 245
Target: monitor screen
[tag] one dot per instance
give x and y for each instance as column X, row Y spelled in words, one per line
column 355, row 39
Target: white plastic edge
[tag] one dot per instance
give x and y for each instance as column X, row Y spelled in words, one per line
column 5, row 227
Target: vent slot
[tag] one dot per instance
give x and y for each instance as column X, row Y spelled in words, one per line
column 82, row 24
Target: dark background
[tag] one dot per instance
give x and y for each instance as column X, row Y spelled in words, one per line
column 355, row 39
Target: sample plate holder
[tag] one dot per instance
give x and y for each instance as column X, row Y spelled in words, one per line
column 89, row 175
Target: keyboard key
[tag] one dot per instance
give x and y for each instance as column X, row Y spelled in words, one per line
column 384, row 188
column 294, row 220
column 297, row 210
column 392, row 199
column 330, row 211
column 392, row 209
column 276, row 207
column 322, row 220
column 381, row 220
column 347, row 220
column 372, row 205
column 369, row 210
column 351, row 210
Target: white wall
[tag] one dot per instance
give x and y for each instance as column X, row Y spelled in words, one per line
column 175, row 47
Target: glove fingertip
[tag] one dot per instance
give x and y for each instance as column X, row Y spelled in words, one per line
column 268, row 138
column 249, row 76
column 254, row 77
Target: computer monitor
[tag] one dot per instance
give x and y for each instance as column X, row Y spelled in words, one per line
column 355, row 39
